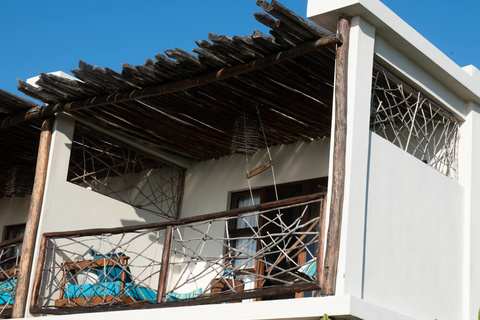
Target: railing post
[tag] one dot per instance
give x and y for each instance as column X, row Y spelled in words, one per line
column 162, row 281
column 321, row 242
column 31, row 227
column 38, row 272
column 339, row 151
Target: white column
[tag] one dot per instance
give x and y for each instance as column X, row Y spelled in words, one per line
column 360, row 64
column 469, row 178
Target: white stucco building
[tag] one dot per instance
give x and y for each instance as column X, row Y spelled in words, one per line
column 147, row 172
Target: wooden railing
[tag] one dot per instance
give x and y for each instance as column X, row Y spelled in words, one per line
column 196, row 260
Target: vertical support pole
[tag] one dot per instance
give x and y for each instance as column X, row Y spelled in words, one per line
column 180, row 188
column 321, row 243
column 330, row 266
column 31, row 227
column 38, row 273
column 162, row 280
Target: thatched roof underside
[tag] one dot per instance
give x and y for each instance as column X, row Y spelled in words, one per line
column 293, row 98
column 19, row 146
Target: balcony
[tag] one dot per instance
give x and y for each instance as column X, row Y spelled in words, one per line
column 189, row 261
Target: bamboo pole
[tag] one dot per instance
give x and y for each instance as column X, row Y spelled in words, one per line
column 184, row 84
column 32, row 222
column 339, row 150
column 162, row 279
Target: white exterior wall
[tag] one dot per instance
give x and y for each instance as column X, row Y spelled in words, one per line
column 208, row 183
column 13, row 211
column 67, row 206
column 421, row 252
column 414, row 229
column 469, row 177
column 413, row 244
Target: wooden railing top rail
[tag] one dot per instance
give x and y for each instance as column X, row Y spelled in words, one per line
column 204, row 217
column 10, row 242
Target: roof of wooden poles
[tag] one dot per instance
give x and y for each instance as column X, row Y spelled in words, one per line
column 188, row 103
column 19, row 146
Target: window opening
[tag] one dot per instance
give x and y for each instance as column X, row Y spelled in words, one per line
column 414, row 123
column 14, row 231
column 101, row 164
column 10, row 255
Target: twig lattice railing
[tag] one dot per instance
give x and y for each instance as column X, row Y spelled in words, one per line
column 104, row 165
column 414, row 123
column 9, row 261
column 188, row 261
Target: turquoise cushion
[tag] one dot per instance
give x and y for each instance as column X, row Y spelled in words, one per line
column 92, row 290
column 179, row 296
column 7, row 292
column 310, row 269
column 8, row 286
column 7, row 298
column 140, row 293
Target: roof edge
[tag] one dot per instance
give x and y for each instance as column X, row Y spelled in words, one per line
column 404, row 38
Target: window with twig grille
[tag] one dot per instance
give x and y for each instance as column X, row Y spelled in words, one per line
column 101, row 164
column 414, row 123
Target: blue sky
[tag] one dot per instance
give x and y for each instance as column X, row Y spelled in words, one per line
column 51, row 35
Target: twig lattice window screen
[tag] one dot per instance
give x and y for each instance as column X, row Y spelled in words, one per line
column 101, row 164
column 414, row 123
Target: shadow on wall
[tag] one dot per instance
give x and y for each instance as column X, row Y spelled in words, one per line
column 208, row 183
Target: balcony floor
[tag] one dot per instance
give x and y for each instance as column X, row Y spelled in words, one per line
column 340, row 307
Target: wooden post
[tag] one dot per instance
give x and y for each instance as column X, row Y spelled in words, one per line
column 339, row 150
column 31, row 227
column 162, row 280
column 321, row 242
column 38, row 273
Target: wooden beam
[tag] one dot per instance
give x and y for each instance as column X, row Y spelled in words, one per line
column 339, row 149
column 31, row 227
column 184, row 84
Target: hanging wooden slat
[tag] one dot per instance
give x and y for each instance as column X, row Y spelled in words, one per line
column 259, row 169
